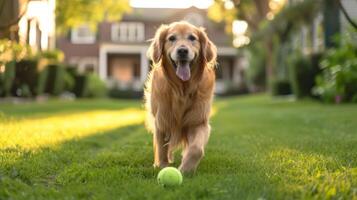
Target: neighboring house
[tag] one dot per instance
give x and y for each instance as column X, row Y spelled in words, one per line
column 117, row 51
column 312, row 38
column 351, row 9
column 29, row 22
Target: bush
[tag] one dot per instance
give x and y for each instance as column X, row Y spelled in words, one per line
column 303, row 71
column 10, row 50
column 89, row 85
column 256, row 76
column 125, row 94
column 1, row 84
column 281, row 87
column 70, row 76
column 95, row 87
column 338, row 81
column 27, row 75
column 8, row 78
column 79, row 85
column 56, row 79
column 54, row 56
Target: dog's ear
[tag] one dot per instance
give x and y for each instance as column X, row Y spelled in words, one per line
column 208, row 49
column 156, row 48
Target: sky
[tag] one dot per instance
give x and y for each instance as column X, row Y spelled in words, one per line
column 202, row 4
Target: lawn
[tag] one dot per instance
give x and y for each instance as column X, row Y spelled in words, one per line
column 99, row 149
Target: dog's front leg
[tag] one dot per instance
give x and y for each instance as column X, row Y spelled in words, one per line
column 197, row 138
column 160, row 149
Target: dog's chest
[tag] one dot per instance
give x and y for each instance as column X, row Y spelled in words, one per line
column 182, row 103
column 180, row 106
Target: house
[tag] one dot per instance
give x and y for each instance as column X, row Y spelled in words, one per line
column 313, row 36
column 29, row 22
column 117, row 51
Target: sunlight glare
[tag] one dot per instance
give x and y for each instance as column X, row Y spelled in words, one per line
column 239, row 27
column 35, row 133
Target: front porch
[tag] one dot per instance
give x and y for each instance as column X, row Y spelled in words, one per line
column 126, row 67
column 123, row 66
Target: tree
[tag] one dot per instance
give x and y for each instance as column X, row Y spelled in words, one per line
column 69, row 13
column 347, row 16
column 269, row 22
column 331, row 21
column 255, row 13
column 10, row 14
column 73, row 13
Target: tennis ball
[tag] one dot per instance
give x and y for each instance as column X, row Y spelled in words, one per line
column 169, row 176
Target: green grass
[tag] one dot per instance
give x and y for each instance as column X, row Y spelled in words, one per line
column 99, row 149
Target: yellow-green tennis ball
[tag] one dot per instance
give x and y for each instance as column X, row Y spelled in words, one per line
column 170, row 177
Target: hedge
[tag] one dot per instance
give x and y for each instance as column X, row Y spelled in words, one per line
column 56, row 79
column 303, row 70
column 281, row 87
column 89, row 86
column 8, row 78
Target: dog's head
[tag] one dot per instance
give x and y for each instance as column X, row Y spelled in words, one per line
column 184, row 49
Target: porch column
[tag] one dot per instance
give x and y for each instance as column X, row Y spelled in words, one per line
column 103, row 64
column 144, row 65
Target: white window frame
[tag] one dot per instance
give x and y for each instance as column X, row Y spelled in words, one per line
column 76, row 39
column 128, row 32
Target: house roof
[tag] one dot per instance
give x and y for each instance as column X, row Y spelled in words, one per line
column 157, row 16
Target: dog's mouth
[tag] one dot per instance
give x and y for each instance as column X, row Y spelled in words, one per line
column 183, row 70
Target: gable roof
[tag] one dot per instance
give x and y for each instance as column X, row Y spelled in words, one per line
column 157, row 16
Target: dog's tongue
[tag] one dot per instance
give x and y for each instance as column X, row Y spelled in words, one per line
column 183, row 71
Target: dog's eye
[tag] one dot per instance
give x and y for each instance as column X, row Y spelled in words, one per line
column 192, row 38
column 172, row 38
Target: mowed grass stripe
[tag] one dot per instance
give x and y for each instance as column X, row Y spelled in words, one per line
column 47, row 131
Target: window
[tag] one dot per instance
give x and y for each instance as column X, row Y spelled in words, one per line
column 85, row 64
column 82, row 35
column 128, row 32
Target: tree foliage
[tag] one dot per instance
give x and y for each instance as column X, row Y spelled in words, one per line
column 73, row 13
column 254, row 12
column 289, row 19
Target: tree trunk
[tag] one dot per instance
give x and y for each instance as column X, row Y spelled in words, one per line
column 269, row 62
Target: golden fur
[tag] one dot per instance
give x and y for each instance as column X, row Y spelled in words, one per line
column 178, row 111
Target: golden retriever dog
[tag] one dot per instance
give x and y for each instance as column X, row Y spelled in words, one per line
column 179, row 93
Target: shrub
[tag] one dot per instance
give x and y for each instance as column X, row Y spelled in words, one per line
column 338, row 81
column 256, row 76
column 7, row 78
column 56, row 79
column 27, row 75
column 1, row 84
column 303, row 71
column 10, row 50
column 95, row 87
column 79, row 85
column 69, row 80
column 54, row 56
column 89, row 85
column 280, row 87
column 125, row 94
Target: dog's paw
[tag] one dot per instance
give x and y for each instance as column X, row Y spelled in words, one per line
column 160, row 166
column 186, row 172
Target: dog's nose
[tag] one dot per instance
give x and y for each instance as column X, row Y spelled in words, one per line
column 182, row 52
